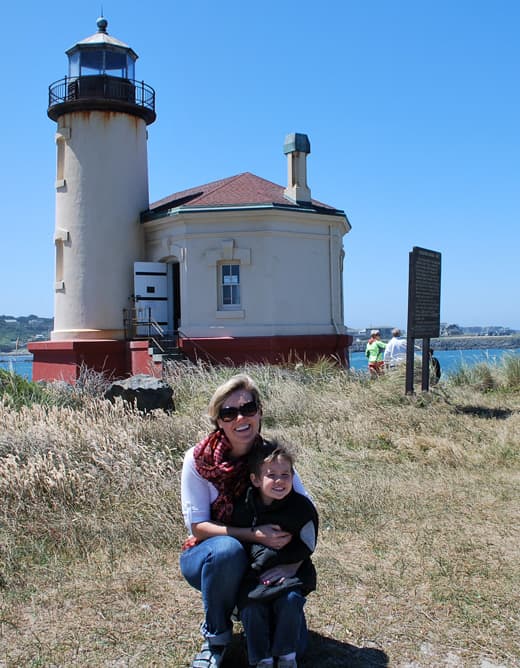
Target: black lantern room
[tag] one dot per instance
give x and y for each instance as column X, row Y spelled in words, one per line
column 101, row 77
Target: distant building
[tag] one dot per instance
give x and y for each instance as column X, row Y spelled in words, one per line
column 450, row 330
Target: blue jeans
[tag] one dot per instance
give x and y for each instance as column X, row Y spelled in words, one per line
column 216, row 567
column 275, row 628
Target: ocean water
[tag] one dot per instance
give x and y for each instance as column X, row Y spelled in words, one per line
column 20, row 364
column 450, row 360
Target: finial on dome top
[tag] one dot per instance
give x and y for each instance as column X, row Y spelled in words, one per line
column 102, row 23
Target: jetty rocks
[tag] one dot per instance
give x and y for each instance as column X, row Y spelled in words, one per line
column 146, row 393
column 510, row 341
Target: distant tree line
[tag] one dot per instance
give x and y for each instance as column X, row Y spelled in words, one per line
column 17, row 331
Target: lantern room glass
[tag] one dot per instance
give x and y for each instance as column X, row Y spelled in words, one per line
column 95, row 62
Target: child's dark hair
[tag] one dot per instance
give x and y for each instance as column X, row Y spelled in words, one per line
column 267, row 452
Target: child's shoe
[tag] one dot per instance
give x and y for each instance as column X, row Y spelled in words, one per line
column 287, row 663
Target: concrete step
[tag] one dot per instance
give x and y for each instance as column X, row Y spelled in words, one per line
column 168, row 355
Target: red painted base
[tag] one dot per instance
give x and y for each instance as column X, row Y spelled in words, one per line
column 64, row 360
column 269, row 349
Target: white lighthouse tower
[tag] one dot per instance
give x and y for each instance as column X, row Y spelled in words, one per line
column 102, row 114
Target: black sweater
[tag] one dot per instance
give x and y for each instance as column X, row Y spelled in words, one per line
column 295, row 514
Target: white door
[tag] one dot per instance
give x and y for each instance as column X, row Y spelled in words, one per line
column 152, row 281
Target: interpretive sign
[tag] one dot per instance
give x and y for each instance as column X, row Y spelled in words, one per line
column 424, row 309
column 424, row 293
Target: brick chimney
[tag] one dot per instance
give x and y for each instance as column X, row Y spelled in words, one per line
column 296, row 147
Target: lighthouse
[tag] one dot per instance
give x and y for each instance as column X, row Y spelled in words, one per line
column 101, row 113
column 236, row 270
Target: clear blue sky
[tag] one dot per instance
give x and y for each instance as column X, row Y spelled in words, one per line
column 412, row 109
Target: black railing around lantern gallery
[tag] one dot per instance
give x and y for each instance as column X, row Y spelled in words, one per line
column 102, row 89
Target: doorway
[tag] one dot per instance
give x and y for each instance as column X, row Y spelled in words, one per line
column 157, row 296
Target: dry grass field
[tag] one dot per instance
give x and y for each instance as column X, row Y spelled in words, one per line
column 419, row 501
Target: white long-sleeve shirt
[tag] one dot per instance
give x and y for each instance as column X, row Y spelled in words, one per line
column 395, row 351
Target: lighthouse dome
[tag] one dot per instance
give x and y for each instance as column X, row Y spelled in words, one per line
column 101, row 54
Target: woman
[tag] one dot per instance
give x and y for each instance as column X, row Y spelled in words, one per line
column 214, row 475
column 374, row 352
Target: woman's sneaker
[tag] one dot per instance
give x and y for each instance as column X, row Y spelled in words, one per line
column 210, row 656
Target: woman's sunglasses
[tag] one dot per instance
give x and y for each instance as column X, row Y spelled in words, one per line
column 231, row 412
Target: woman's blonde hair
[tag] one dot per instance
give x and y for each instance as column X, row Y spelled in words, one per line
column 239, row 382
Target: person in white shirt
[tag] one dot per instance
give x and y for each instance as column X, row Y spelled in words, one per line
column 395, row 351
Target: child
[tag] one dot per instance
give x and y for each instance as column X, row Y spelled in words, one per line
column 272, row 612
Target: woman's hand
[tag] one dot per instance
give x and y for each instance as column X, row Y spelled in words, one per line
column 278, row 574
column 271, row 535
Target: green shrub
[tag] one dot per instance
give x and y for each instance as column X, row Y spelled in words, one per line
column 511, row 370
column 17, row 391
column 484, row 379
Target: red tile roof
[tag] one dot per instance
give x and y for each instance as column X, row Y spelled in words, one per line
column 240, row 190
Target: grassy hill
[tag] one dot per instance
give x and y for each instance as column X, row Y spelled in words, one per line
column 419, row 500
column 16, row 332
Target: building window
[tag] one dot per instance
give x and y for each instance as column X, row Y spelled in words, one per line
column 59, row 284
column 229, row 283
column 60, row 158
column 60, row 162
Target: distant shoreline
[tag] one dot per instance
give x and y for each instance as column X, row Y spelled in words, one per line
column 17, row 353
column 475, row 342
column 462, row 343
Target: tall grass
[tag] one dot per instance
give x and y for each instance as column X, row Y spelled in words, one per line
column 418, row 499
column 504, row 375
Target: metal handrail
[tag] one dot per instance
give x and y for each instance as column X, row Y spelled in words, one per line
column 156, row 343
column 132, row 322
column 196, row 345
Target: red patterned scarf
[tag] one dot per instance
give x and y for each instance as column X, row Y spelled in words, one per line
column 229, row 476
